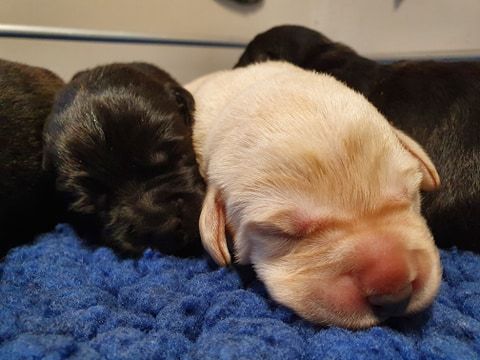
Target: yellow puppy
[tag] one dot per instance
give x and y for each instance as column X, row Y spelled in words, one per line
column 320, row 193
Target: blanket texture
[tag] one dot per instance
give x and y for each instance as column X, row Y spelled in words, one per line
column 61, row 299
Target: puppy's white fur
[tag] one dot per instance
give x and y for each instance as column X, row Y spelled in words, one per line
column 317, row 190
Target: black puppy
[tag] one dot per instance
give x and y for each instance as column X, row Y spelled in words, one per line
column 437, row 103
column 26, row 98
column 119, row 143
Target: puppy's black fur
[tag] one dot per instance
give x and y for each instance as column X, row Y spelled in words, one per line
column 119, row 143
column 26, row 97
column 437, row 103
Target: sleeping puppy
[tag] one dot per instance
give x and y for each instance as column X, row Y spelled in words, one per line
column 26, row 192
column 434, row 102
column 119, row 142
column 318, row 191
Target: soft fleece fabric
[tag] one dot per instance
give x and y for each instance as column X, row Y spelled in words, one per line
column 60, row 299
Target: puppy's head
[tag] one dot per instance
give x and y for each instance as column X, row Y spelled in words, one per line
column 119, row 141
column 328, row 211
column 298, row 45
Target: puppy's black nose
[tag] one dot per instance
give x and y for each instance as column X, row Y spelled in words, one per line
column 387, row 305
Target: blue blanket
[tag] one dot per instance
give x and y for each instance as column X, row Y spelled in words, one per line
column 61, row 299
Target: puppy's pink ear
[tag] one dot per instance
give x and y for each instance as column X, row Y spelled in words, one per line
column 212, row 227
column 431, row 179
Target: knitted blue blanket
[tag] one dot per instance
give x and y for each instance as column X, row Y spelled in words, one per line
column 61, row 299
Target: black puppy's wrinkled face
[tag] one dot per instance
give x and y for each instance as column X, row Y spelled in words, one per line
column 120, row 143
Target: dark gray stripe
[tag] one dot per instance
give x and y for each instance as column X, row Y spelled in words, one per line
column 114, row 38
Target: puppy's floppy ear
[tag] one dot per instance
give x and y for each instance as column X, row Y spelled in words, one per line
column 430, row 179
column 48, row 155
column 185, row 102
column 212, row 227
column 47, row 164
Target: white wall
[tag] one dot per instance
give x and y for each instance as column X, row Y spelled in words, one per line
column 398, row 28
column 382, row 28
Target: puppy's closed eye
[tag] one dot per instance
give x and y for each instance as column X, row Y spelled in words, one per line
column 284, row 228
column 294, row 223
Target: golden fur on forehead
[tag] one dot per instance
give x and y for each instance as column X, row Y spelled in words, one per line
column 321, row 137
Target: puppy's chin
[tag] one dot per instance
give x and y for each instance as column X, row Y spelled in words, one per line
column 168, row 234
column 355, row 279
